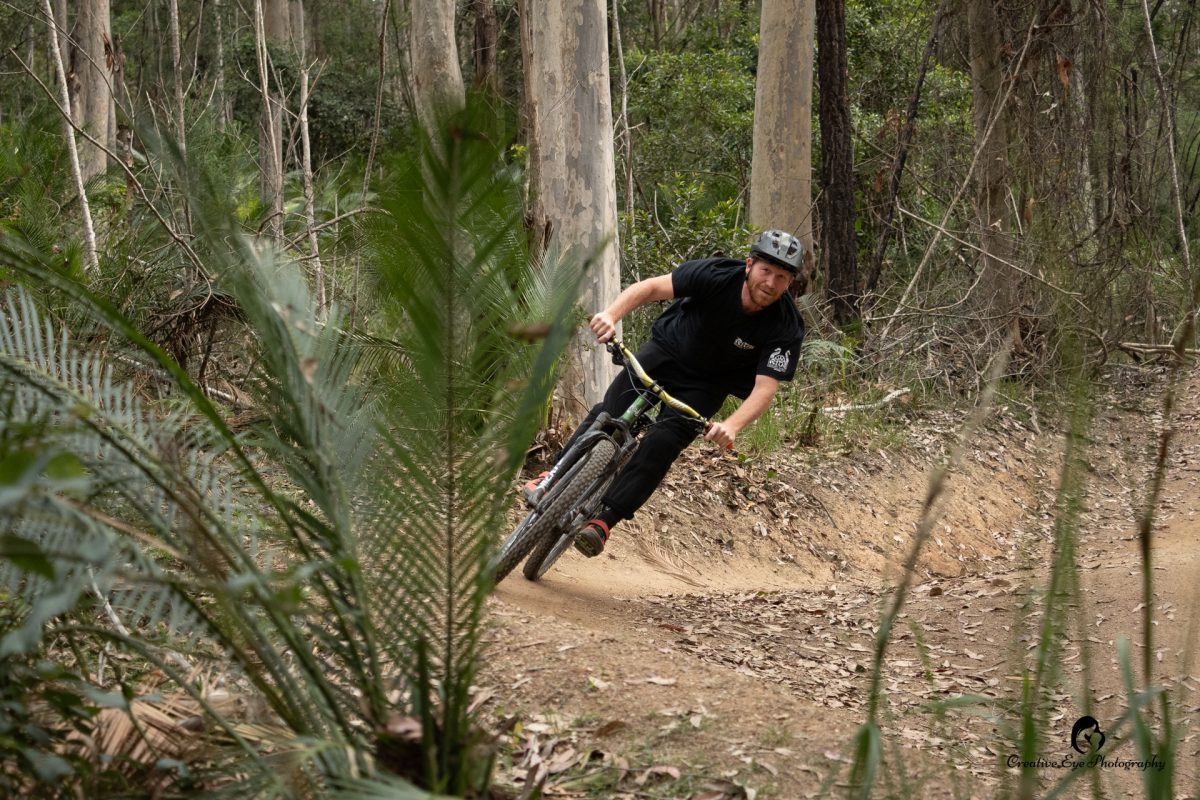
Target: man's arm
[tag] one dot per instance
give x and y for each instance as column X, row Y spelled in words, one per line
column 724, row 433
column 638, row 294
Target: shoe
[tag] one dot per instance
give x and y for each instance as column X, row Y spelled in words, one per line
column 533, row 491
column 591, row 538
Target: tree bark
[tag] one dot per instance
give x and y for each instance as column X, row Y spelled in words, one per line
column 177, row 69
column 64, row 100
column 839, row 255
column 781, row 166
column 92, row 63
column 272, row 23
column 63, row 24
column 219, row 88
column 573, row 173
column 486, row 31
column 437, row 83
column 1000, row 289
column 626, row 130
column 310, row 216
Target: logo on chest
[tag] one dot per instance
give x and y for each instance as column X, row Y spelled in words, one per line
column 779, row 361
column 742, row 344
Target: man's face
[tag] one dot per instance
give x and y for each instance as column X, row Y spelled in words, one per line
column 765, row 282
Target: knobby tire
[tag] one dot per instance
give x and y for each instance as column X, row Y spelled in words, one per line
column 598, row 459
column 545, row 525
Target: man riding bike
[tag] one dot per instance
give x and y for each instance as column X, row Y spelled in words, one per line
column 733, row 329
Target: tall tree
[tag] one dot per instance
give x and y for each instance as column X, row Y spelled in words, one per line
column 272, row 24
column 998, row 284
column 64, row 101
column 573, row 182
column 781, row 167
column 487, row 29
column 92, row 64
column 437, row 83
column 839, row 257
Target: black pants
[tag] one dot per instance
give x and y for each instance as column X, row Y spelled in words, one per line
column 664, row 439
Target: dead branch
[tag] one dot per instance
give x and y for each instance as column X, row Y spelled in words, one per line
column 891, row 397
column 943, row 231
column 966, row 181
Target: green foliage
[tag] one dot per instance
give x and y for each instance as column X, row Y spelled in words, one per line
column 34, row 181
column 694, row 109
column 336, row 558
column 697, row 226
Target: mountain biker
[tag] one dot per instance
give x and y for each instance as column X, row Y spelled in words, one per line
column 733, row 329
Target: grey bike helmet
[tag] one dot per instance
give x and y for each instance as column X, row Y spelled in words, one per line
column 780, row 248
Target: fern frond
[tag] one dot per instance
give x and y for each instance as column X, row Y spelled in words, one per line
column 456, row 284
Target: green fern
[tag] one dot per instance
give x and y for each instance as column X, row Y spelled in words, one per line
column 364, row 569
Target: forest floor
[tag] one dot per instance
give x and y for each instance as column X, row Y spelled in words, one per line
column 721, row 647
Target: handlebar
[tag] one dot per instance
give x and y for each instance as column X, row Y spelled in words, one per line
column 619, row 350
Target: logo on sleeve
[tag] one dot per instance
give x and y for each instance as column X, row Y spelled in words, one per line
column 779, row 361
column 741, row 344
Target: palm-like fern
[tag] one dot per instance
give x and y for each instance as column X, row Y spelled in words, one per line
column 363, row 573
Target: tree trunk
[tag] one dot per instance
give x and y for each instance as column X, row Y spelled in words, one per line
column 63, row 25
column 310, row 216
column 839, row 256
column 573, row 174
column 486, row 31
column 437, row 83
column 64, row 101
column 626, row 130
column 177, row 69
column 272, row 23
column 999, row 287
column 92, row 64
column 219, row 88
column 781, row 167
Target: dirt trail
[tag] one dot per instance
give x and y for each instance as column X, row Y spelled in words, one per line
column 721, row 647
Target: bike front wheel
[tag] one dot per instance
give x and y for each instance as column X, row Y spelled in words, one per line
column 591, row 485
column 542, row 527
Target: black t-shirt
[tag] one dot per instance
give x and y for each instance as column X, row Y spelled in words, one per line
column 710, row 335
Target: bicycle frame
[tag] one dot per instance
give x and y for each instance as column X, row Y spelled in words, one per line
column 626, row 424
column 572, row 490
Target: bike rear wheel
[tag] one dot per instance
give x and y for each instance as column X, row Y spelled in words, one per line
column 544, row 523
column 549, row 548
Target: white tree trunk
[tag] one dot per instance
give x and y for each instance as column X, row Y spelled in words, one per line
column 177, row 68
column 63, row 24
column 272, row 23
column 569, row 110
column 781, row 169
column 310, row 216
column 219, row 89
column 437, row 83
column 64, row 100
column 92, row 62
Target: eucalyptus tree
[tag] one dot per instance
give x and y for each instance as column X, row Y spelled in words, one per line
column 89, row 77
column 781, row 172
column 568, row 110
column 272, row 24
column 435, row 72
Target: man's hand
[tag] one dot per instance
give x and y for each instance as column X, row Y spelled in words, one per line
column 604, row 326
column 721, row 433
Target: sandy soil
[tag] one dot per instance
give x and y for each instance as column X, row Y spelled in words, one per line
column 722, row 645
